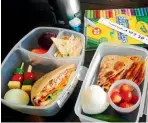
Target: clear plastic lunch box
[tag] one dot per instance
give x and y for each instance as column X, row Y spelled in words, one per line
column 91, row 76
column 47, row 62
column 44, row 63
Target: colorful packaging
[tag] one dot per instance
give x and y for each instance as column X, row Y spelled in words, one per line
column 126, row 17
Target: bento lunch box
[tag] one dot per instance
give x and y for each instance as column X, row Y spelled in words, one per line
column 92, row 73
column 45, row 63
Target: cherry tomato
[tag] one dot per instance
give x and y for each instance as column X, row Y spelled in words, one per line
column 116, row 90
column 124, row 105
column 126, row 96
column 130, row 104
column 124, row 88
column 29, row 76
column 39, row 51
column 17, row 77
column 134, row 99
column 115, row 97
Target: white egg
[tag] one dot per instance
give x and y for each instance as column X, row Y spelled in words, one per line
column 17, row 96
column 94, row 100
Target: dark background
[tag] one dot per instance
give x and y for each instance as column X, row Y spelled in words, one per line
column 21, row 16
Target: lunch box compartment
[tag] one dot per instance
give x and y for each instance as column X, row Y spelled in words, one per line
column 30, row 41
column 41, row 63
column 8, row 68
column 91, row 77
column 16, row 58
column 14, row 61
column 61, row 34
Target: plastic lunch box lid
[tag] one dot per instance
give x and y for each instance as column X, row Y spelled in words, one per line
column 143, row 108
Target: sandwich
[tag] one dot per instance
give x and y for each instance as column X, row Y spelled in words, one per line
column 47, row 88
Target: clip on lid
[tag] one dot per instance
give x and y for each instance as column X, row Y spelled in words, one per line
column 82, row 73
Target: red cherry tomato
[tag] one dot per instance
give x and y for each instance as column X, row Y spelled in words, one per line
column 116, row 90
column 29, row 76
column 134, row 99
column 126, row 96
column 124, row 88
column 130, row 104
column 39, row 51
column 115, row 97
column 17, row 77
column 124, row 105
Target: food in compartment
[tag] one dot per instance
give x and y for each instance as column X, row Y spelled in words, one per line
column 94, row 100
column 116, row 97
column 45, row 41
column 58, row 54
column 134, row 99
column 38, row 74
column 17, row 78
column 14, row 85
column 21, row 80
column 115, row 67
column 29, row 77
column 47, row 88
column 39, row 51
column 27, row 88
column 108, row 118
column 27, row 82
column 125, row 87
column 125, row 105
column 18, row 74
column 68, row 47
column 65, row 37
column 125, row 97
column 17, row 96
